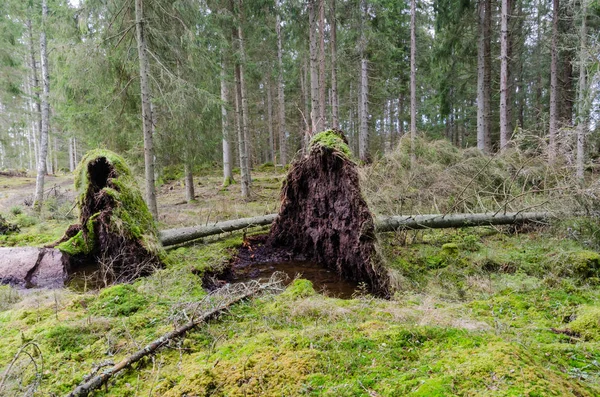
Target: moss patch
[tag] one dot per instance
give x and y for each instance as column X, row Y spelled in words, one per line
column 332, row 139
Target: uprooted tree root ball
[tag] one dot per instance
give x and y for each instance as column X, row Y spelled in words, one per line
column 116, row 228
column 324, row 217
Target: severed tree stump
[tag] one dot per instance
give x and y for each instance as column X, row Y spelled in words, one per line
column 324, row 217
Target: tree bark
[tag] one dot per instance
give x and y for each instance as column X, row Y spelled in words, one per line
column 314, row 74
column 270, row 119
column 553, row 129
column 582, row 95
column 413, row 80
column 382, row 224
column 244, row 99
column 147, row 124
column 504, row 122
column 227, row 174
column 45, row 112
column 483, row 127
column 363, row 135
column 35, row 87
column 280, row 91
column 322, row 84
column 334, row 93
column 189, row 180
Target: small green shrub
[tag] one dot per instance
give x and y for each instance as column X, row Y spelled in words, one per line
column 24, row 220
column 16, row 210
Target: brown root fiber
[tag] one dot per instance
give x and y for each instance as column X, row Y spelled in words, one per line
column 116, row 229
column 324, row 217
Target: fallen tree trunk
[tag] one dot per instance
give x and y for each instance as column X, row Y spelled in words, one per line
column 383, row 224
column 440, row 221
column 185, row 234
column 97, row 381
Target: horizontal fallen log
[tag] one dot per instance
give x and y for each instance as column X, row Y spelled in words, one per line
column 382, row 224
column 441, row 221
column 182, row 235
column 97, row 381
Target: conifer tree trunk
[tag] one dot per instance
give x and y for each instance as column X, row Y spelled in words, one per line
column 334, row 92
column 71, row 156
column 582, row 95
column 314, row 74
column 280, row 92
column 147, row 124
column 322, row 84
column 553, row 129
column 483, row 128
column 189, row 180
column 244, row 102
column 35, row 87
column 45, row 112
column 413, row 80
column 227, row 174
column 504, row 128
column 270, row 120
column 488, row 75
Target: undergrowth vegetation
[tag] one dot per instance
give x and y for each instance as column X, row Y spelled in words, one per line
column 510, row 311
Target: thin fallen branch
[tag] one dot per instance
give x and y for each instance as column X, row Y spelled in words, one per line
column 382, row 224
column 250, row 289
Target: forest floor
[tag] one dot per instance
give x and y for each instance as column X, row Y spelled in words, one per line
column 477, row 312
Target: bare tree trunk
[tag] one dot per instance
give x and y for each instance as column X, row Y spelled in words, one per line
column 504, row 128
column 147, row 125
column 334, row 94
column 241, row 139
column 481, row 111
column 487, row 93
column 270, row 119
column 189, row 180
column 314, row 75
column 322, row 84
column 582, row 97
column 244, row 99
column 306, row 117
column 37, row 104
column 553, row 130
column 413, row 80
column 227, row 174
column 71, row 156
column 280, row 92
column 45, row 111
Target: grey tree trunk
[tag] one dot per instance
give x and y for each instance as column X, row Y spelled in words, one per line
column 504, row 120
column 45, row 112
column 334, row 93
column 189, row 181
column 383, row 224
column 413, row 80
column 314, row 74
column 363, row 106
column 487, row 88
column 482, row 111
column 227, row 174
column 307, row 99
column 280, row 92
column 71, row 155
column 241, row 141
column 582, row 95
column 270, row 120
column 553, row 129
column 35, row 88
column 147, row 125
column 244, row 99
column 322, row 84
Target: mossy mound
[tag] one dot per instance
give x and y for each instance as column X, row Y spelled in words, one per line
column 116, row 228
column 587, row 323
column 332, row 139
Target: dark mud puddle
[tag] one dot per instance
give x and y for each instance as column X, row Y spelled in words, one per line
column 255, row 262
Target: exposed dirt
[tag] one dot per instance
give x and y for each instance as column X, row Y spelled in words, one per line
column 324, row 218
column 18, row 190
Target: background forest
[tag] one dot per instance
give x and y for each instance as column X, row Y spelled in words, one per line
column 245, row 83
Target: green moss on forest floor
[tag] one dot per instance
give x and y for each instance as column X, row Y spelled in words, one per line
column 493, row 339
column 474, row 315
